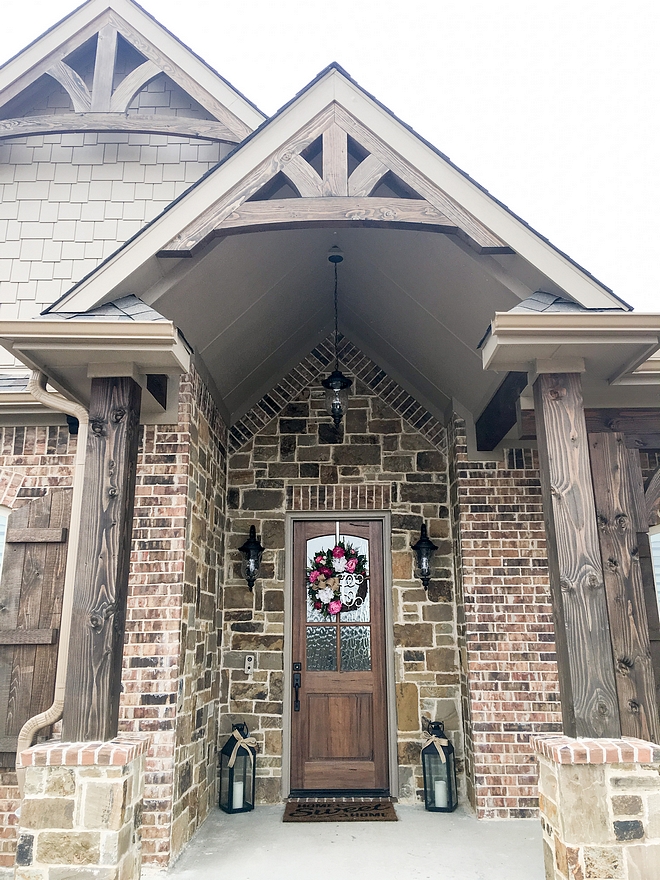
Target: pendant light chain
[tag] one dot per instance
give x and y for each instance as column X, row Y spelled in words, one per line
column 336, row 385
column 336, row 324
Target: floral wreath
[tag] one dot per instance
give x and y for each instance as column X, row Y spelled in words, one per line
column 324, row 576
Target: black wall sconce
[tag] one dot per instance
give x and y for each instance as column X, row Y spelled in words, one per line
column 251, row 551
column 424, row 550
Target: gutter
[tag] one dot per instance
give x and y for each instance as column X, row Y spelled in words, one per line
column 37, row 388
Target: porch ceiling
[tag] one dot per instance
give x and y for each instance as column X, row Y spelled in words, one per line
column 253, row 305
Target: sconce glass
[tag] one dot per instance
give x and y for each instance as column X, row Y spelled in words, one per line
column 251, row 551
column 424, row 550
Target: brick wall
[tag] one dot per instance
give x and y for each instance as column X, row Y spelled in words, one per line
column 509, row 673
column 171, row 676
column 296, row 461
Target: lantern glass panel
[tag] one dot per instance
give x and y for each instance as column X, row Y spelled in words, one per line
column 250, row 567
column 336, row 402
column 237, row 783
column 440, row 793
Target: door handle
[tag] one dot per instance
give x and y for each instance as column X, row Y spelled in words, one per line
column 297, row 684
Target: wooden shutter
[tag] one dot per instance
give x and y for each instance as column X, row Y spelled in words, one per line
column 31, row 590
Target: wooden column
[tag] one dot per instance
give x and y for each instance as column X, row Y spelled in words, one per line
column 622, row 522
column 91, row 701
column 584, row 653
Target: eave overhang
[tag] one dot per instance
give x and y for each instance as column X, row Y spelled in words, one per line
column 611, row 348
column 71, row 353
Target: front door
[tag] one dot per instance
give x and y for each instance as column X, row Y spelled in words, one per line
column 339, row 710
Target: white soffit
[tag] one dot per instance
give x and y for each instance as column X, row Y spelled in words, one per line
column 136, row 264
column 87, row 18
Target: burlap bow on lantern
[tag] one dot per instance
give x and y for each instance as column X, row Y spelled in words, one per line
column 437, row 741
column 242, row 742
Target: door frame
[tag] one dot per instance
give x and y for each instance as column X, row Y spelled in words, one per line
column 384, row 517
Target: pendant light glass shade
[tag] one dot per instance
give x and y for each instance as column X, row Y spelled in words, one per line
column 336, row 385
column 336, row 395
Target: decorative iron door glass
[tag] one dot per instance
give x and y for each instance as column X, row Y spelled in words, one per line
column 339, row 718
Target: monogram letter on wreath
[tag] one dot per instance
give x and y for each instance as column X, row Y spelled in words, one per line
column 336, row 579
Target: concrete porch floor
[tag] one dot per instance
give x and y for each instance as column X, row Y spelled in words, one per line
column 420, row 846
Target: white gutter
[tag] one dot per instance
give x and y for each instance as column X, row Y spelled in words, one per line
column 37, row 388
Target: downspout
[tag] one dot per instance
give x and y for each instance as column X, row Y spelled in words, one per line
column 37, row 388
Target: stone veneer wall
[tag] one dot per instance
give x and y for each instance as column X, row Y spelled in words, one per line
column 170, row 678
column 600, row 808
column 80, row 817
column 296, row 461
column 509, row 673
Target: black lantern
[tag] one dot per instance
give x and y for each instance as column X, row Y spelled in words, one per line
column 439, row 768
column 336, row 385
column 424, row 550
column 252, row 552
column 237, row 771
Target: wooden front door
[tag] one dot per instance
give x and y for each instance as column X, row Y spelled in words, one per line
column 339, row 718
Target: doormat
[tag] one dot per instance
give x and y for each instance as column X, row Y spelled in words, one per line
column 339, row 811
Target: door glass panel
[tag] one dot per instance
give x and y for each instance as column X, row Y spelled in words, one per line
column 355, row 649
column 357, row 589
column 317, row 545
column 321, row 648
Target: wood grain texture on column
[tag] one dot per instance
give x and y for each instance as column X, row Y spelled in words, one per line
column 91, row 702
column 584, row 653
column 617, row 514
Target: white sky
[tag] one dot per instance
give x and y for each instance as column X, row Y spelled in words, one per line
column 552, row 105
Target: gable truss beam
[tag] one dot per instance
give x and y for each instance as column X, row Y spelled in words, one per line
column 104, row 68
column 101, row 99
column 181, row 78
column 366, row 176
column 61, row 123
column 330, row 211
column 336, row 197
column 73, row 84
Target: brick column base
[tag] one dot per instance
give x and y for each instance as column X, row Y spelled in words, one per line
column 81, row 811
column 600, row 807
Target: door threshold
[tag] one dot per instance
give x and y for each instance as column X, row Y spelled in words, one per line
column 341, row 794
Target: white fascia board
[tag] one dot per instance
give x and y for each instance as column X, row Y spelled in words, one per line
column 334, row 86
column 525, row 331
column 164, row 41
column 156, row 343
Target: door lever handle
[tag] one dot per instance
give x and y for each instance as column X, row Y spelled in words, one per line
column 297, row 683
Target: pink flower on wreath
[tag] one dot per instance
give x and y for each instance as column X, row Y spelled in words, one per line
column 338, row 552
column 319, row 558
column 334, row 607
column 351, row 565
column 325, row 571
column 314, row 576
column 318, row 604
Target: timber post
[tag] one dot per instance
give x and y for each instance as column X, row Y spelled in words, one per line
column 91, row 701
column 621, row 517
column 584, row 652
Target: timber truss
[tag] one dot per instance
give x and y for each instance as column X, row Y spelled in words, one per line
column 101, row 90
column 335, row 171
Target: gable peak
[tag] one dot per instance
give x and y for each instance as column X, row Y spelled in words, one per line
column 102, row 57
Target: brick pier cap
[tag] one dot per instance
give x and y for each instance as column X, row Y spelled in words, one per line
column 600, row 807
column 81, row 812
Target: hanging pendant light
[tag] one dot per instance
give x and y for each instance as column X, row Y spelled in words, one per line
column 336, row 385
